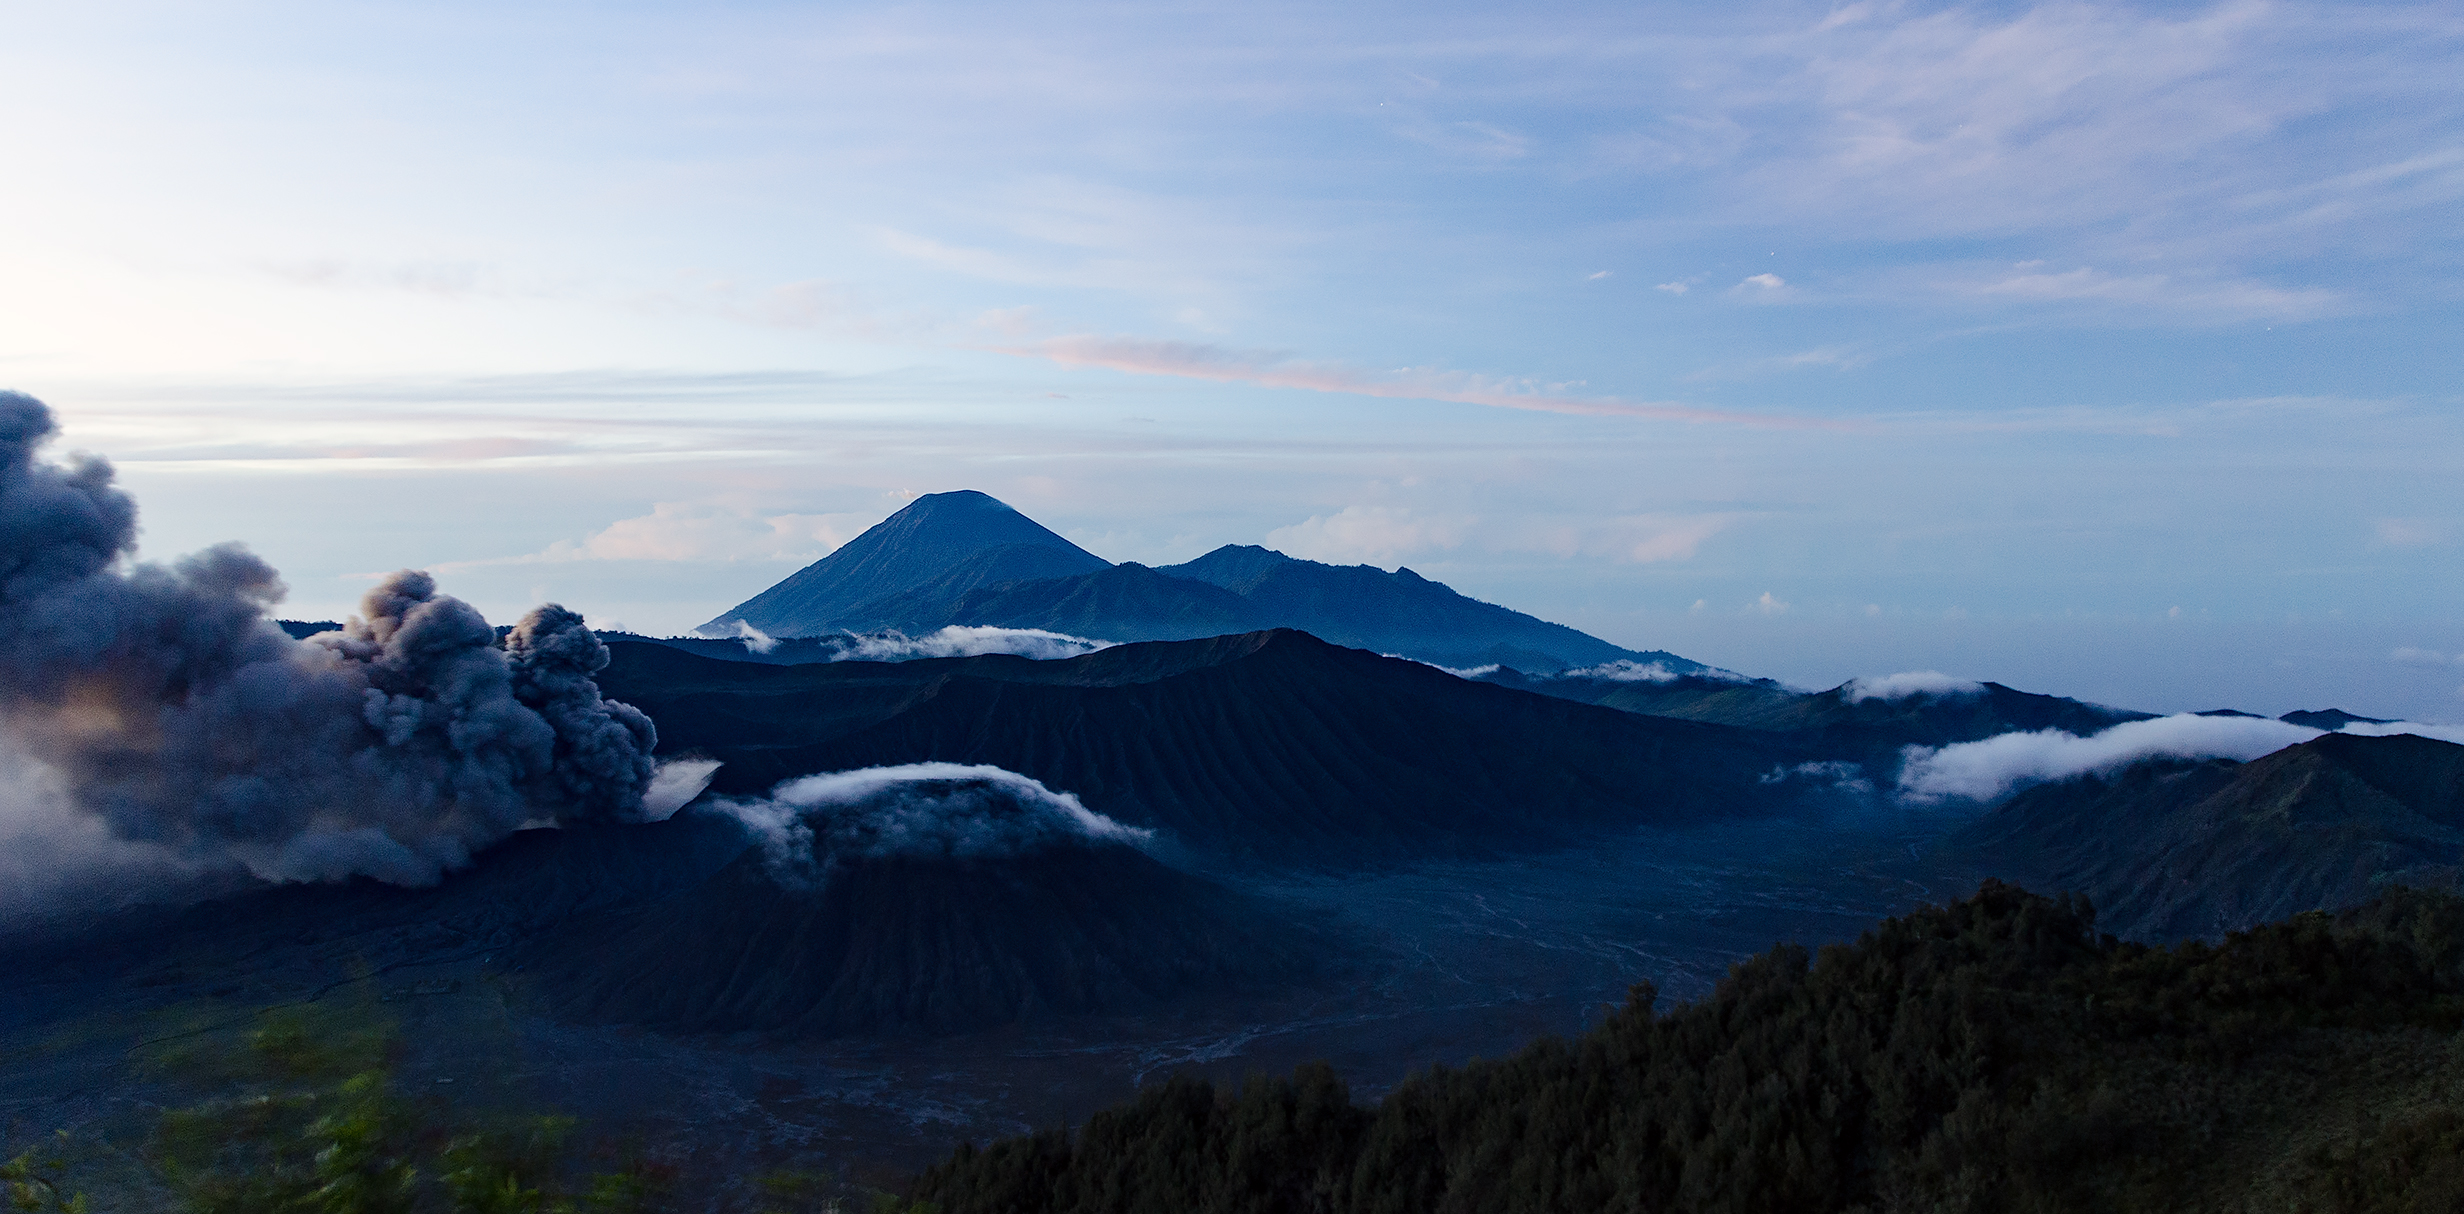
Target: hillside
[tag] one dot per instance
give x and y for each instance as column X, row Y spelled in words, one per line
column 1994, row 1054
column 2171, row 849
column 917, row 944
column 1271, row 747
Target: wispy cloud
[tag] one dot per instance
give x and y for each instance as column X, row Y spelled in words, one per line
column 1375, row 535
column 1384, row 534
column 1194, row 360
column 2224, row 300
column 697, row 531
column 2409, row 532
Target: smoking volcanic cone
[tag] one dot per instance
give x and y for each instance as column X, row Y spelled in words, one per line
column 933, row 897
column 167, row 705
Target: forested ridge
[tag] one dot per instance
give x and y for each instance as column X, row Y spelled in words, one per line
column 1994, row 1054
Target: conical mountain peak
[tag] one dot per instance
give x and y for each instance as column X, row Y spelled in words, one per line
column 951, row 542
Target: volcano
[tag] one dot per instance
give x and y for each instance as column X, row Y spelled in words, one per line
column 942, row 543
column 933, row 900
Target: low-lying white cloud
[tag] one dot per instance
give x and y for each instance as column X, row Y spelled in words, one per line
column 810, row 827
column 966, row 641
column 1909, row 683
column 1624, row 670
column 2444, row 733
column 1627, row 670
column 1985, row 770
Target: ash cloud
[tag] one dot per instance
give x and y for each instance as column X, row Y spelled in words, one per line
column 161, row 704
column 810, row 827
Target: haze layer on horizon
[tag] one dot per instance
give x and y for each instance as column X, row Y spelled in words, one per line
column 2096, row 349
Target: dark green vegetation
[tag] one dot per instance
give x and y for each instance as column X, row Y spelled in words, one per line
column 1272, row 747
column 966, row 559
column 304, row 1115
column 1995, row 1054
column 2175, row 848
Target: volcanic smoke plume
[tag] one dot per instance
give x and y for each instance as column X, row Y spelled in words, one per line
column 167, row 705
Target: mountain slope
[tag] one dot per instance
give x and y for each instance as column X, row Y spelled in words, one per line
column 1273, row 747
column 2173, row 849
column 966, row 533
column 912, row 944
column 1400, row 612
column 1127, row 602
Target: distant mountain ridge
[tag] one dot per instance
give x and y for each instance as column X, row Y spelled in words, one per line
column 1839, row 723
column 967, row 559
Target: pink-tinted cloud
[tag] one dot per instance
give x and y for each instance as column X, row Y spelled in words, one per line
column 1197, row 360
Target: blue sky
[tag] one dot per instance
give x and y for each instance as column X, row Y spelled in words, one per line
column 2103, row 350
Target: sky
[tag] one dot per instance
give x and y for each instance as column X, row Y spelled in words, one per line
column 2102, row 350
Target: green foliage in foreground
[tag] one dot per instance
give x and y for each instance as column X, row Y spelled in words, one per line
column 309, row 1122
column 1994, row 1054
column 304, row 1117
column 33, row 1182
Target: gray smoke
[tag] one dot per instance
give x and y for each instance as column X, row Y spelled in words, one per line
column 164, row 704
column 812, row 826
